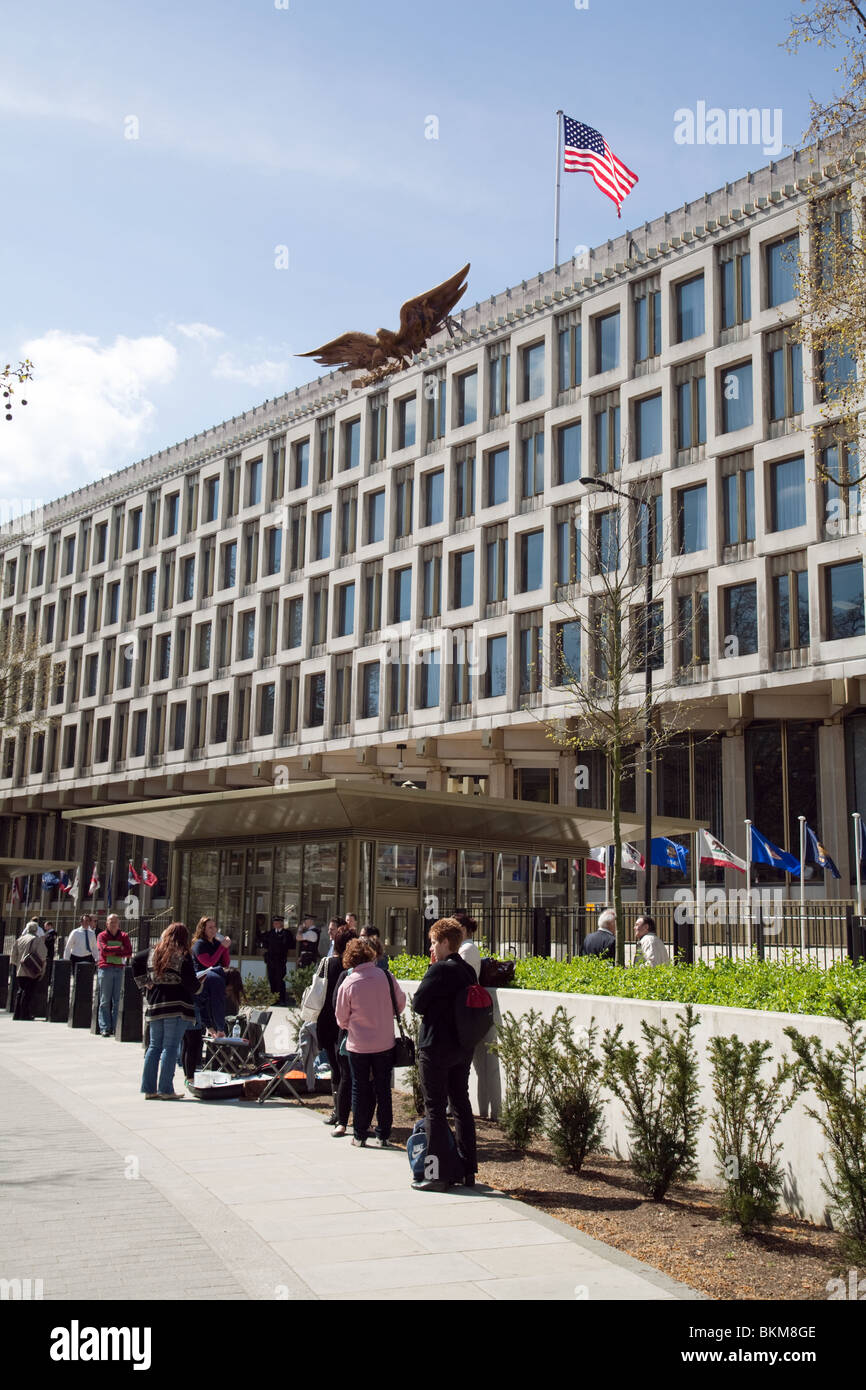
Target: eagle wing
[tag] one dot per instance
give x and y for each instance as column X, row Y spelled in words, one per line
column 422, row 316
column 350, row 350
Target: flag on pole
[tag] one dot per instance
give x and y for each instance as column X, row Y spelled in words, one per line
column 598, row 860
column 147, row 875
column 667, row 854
column 65, row 884
column 714, row 852
column 49, row 881
column 133, row 877
column 765, row 852
column 109, row 895
column 861, row 835
column 94, row 881
column 15, row 895
column 816, row 853
column 587, row 152
column 631, row 857
column 75, row 888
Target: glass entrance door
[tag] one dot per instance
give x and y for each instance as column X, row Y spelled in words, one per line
column 398, row 918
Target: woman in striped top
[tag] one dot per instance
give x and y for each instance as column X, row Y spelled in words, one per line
column 167, row 977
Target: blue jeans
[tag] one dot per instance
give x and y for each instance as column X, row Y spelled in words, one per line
column 211, row 1000
column 110, row 981
column 162, row 1054
column 371, row 1088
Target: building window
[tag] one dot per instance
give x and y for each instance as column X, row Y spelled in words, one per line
column 735, row 282
column 178, row 727
column 500, row 359
column 606, row 342
column 300, row 463
column 533, row 371
column 229, row 564
column 647, row 320
column 648, row 427
column 844, row 599
column 437, row 400
column 323, row 534
column 834, row 242
column 221, row 718
column 112, row 614
column 319, row 616
column 791, row 609
column 429, row 682
column 464, row 487
column 689, row 295
column 247, row 645
column 431, row 583
column 496, row 673
column 463, row 594
column 568, row 464
column 345, row 612
column 836, row 369
column 570, row 343
column 497, row 477
column 187, row 584
column 406, row 416
column 295, row 622
column 529, row 650
column 434, row 497
column 692, row 519
column 736, row 394
column 785, row 364
column 373, row 599
column 691, row 398
column 172, row 511
column 203, row 637
column 605, row 529
column 370, row 690
column 606, row 431
column 565, row 663
column 163, row 657
column 462, row 664
column 738, row 506
column 842, row 503
column 326, row 449
column 656, row 636
column 740, row 636
column 254, row 482
column 531, row 561
column 267, row 700
column 316, row 700
column 497, row 564
column 782, row 258
column 375, row 516
column 80, row 619
column 348, row 520
column 378, row 433
column 404, row 492
column 351, row 455
column 273, row 549
column 401, row 595
column 788, row 494
column 467, row 400
column 693, row 624
column 343, row 691
column 133, row 536
column 568, row 545
column 211, row 499
column 278, row 468
column 532, row 461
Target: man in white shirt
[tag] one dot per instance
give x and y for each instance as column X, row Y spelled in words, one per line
column 81, row 944
column 654, row 951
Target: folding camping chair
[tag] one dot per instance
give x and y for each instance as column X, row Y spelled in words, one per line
column 243, row 1056
column 298, row 1062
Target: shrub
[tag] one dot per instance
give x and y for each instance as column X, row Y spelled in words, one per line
column 572, row 1074
column 258, row 992
column 748, row 1109
column 299, row 982
column 838, row 1077
column 412, row 1025
column 522, row 1046
column 658, row 1088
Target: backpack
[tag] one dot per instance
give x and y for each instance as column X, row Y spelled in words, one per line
column 496, row 974
column 473, row 1015
column 416, row 1148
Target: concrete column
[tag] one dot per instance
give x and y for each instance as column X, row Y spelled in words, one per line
column 834, row 827
column 500, row 779
column 352, row 884
column 436, row 779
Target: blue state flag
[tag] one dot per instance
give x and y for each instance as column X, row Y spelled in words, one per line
column 50, row 881
column 816, row 853
column 667, row 854
column 765, row 852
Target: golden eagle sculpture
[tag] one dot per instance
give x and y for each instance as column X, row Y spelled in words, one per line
column 388, row 352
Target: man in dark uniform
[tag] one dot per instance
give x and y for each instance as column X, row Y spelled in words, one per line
column 602, row 942
column 276, row 945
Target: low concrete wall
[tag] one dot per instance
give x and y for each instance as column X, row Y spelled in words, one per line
column 801, row 1137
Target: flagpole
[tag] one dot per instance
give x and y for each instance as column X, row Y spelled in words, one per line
column 858, row 832
column 748, row 825
column 559, row 116
column 698, row 932
column 802, row 820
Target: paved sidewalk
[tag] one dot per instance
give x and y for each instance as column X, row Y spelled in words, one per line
column 106, row 1195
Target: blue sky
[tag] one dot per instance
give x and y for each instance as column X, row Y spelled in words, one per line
column 139, row 273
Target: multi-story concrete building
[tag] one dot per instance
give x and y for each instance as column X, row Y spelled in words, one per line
column 372, row 582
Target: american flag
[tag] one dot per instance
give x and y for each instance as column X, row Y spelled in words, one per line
column 587, row 152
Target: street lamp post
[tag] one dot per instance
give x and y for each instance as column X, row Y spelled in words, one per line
column 604, row 486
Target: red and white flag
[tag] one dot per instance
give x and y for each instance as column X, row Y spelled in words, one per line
column 133, row 876
column 15, row 895
column 94, row 881
column 147, row 875
column 714, row 852
column 598, row 859
column 596, row 862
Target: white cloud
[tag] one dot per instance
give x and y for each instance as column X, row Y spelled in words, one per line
column 89, row 407
column 264, row 373
column 199, row 332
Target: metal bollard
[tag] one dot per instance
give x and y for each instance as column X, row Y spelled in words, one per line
column 81, row 995
column 5, row 962
column 58, row 991
column 129, row 1010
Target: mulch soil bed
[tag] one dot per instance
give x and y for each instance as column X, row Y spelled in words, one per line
column 685, row 1236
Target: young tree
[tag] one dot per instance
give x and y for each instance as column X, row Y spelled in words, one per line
column 611, row 707
column 25, row 675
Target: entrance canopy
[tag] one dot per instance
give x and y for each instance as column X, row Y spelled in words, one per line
column 348, row 806
column 23, row 868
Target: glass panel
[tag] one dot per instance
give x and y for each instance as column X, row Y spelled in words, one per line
column 287, row 881
column 511, row 879
column 607, row 342
column 321, row 864
column 737, row 397
column 439, row 873
column 693, row 519
column 690, row 308
column 782, row 271
column 648, row 424
column 396, row 865
column 845, row 601
column 789, row 494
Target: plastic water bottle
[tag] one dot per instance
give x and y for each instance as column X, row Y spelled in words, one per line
column 236, row 1031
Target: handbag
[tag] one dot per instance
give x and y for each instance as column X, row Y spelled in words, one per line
column 496, row 974
column 314, row 997
column 403, row 1054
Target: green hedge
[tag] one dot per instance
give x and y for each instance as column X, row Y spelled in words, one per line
column 781, row 987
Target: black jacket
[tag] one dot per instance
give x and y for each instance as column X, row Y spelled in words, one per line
column 276, row 946
column 434, row 999
column 326, row 1023
column 600, row 943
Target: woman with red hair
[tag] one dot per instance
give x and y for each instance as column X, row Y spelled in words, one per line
column 166, row 975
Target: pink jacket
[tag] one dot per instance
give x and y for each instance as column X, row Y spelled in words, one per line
column 364, row 1009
